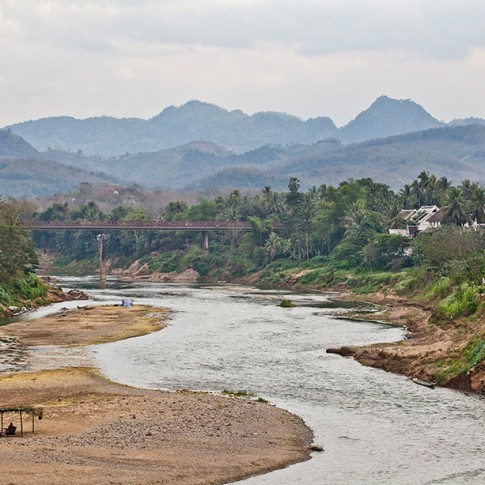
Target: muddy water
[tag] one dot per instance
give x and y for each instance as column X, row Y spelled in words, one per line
column 377, row 428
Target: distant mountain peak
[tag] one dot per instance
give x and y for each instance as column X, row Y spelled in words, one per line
column 12, row 145
column 387, row 117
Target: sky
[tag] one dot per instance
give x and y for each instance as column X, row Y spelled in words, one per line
column 309, row 58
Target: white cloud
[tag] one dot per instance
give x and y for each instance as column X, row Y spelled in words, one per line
column 306, row 57
column 433, row 27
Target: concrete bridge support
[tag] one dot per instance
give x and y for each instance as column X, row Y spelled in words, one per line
column 102, row 262
column 205, row 241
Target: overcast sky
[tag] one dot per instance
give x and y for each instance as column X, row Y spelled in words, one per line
column 304, row 57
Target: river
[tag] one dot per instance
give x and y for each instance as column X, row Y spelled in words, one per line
column 376, row 427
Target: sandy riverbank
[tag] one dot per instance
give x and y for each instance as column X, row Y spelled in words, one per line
column 96, row 431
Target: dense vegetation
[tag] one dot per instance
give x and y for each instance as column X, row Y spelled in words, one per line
column 333, row 235
column 342, row 228
column 19, row 285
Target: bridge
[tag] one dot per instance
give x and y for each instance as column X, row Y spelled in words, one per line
column 103, row 226
column 145, row 225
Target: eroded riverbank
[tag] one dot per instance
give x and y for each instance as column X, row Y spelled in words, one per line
column 429, row 348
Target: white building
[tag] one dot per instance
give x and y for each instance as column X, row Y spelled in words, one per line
column 418, row 220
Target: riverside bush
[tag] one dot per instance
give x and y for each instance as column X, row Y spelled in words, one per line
column 470, row 356
column 372, row 282
column 439, row 289
column 5, row 296
column 475, row 351
column 405, row 285
column 31, row 287
column 463, row 301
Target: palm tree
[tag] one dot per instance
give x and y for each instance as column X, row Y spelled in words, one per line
column 359, row 221
column 442, row 185
column 406, row 195
column 456, row 210
column 392, row 212
column 478, row 205
column 418, row 188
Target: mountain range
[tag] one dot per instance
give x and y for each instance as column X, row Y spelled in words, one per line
column 392, row 141
column 236, row 131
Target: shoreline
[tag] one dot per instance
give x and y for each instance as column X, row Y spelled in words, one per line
column 427, row 353
column 426, row 349
column 119, row 434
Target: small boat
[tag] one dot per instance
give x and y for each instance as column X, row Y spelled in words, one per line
column 431, row 385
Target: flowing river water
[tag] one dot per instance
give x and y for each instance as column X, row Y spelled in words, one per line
column 376, row 427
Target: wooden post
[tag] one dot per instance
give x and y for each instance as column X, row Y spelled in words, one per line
column 205, row 241
column 21, row 425
column 33, row 421
column 1, row 423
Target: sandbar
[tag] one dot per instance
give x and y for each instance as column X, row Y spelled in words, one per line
column 97, row 431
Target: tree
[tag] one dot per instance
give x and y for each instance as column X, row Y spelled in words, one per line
column 477, row 205
column 261, row 229
column 175, row 210
column 456, row 209
column 436, row 249
column 88, row 212
column 388, row 251
column 17, row 255
column 56, row 212
column 293, row 197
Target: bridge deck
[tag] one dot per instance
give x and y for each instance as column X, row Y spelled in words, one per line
column 146, row 225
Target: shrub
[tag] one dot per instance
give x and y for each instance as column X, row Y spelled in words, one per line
column 5, row 296
column 440, row 288
column 471, row 356
column 463, row 301
column 405, row 286
column 286, row 304
column 31, row 287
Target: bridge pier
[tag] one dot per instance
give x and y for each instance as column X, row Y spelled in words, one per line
column 205, row 241
column 102, row 263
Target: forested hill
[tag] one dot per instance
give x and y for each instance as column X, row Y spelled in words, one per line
column 387, row 117
column 455, row 152
column 236, row 131
column 12, row 145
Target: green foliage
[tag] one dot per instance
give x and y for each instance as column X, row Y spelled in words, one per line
column 439, row 289
column 6, row 297
column 331, row 235
column 437, row 248
column 475, row 351
column 372, row 282
column 322, row 277
column 204, row 211
column 31, row 287
column 388, row 251
column 239, row 393
column 463, row 301
column 405, row 285
column 286, row 304
column 472, row 355
column 165, row 263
